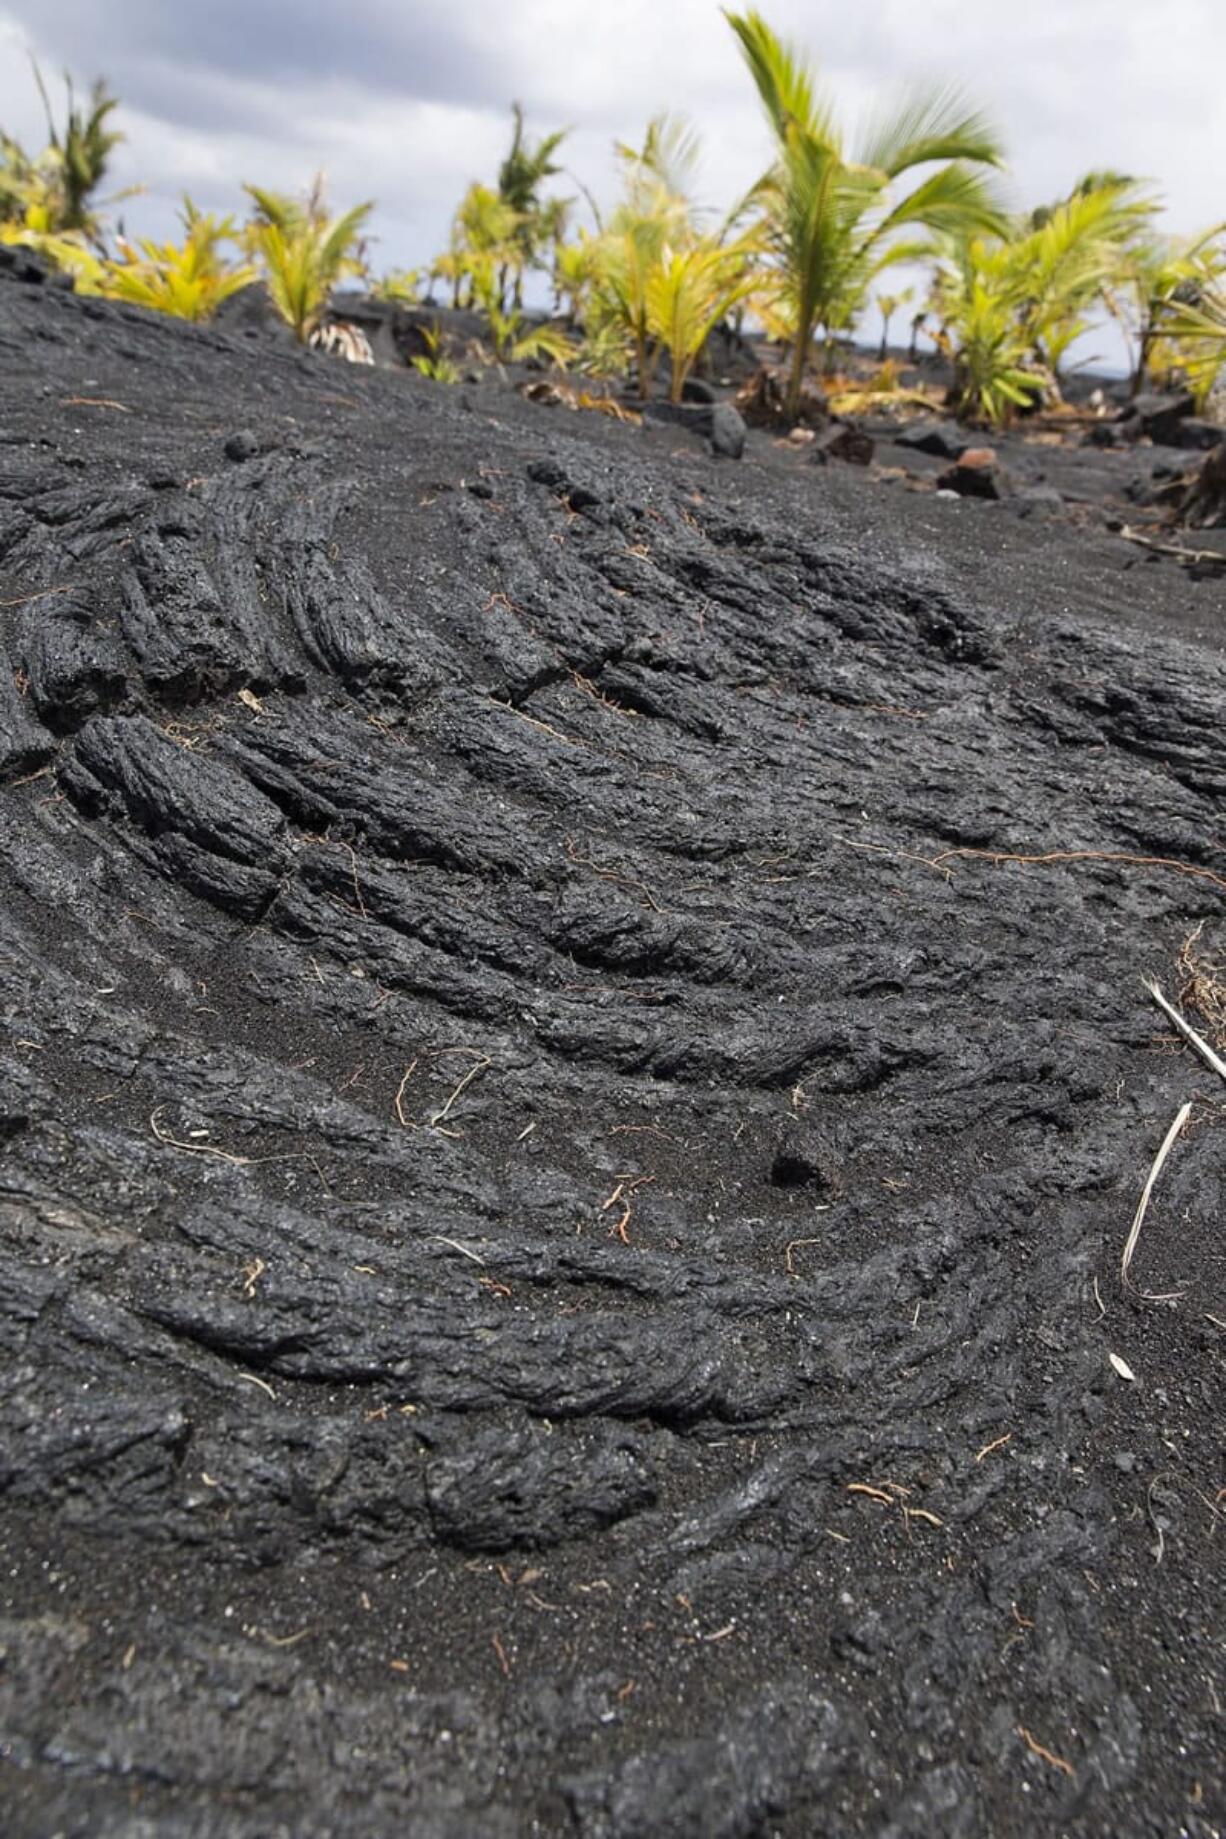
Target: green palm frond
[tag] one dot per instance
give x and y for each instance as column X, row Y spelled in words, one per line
column 954, row 199
column 786, row 86
column 932, row 124
column 668, row 157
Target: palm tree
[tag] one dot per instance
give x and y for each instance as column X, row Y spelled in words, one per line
column 688, row 292
column 654, row 218
column 1065, row 255
column 51, row 195
column 304, row 252
column 887, row 306
column 1012, row 305
column 830, row 219
column 1161, row 284
column 85, row 152
column 189, row 279
column 520, row 178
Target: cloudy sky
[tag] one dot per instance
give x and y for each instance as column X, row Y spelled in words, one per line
column 405, row 101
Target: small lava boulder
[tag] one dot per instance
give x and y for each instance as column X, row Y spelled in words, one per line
column 1157, row 417
column 843, row 441
column 1198, row 434
column 945, row 439
column 242, row 445
column 697, row 389
column 1039, row 501
column 727, row 431
column 977, row 474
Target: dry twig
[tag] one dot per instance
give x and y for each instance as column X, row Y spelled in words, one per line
column 1138, row 1218
column 1186, row 1029
column 1043, row 1753
column 1215, row 557
column 1085, row 855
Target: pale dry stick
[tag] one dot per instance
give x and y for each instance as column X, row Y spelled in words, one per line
column 898, row 855
column 1138, row 1218
column 795, row 1245
column 223, row 1155
column 1180, row 554
column 43, row 593
column 200, row 1149
column 508, row 709
column 457, row 1247
column 479, row 1067
column 1186, row 1029
column 407, row 1122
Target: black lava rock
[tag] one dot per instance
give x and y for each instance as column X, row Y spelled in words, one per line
column 943, row 438
column 1197, row 434
column 842, row 440
column 452, row 947
column 697, row 389
column 978, row 474
column 727, row 431
column 1038, row 501
column 242, row 445
column 1156, row 416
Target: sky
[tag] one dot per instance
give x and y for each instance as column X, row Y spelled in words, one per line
column 407, row 101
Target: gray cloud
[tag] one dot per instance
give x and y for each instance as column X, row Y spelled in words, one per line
column 431, row 53
column 407, row 100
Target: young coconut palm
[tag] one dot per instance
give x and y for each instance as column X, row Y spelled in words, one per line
column 484, row 235
column 84, row 152
column 887, row 306
column 659, row 282
column 830, row 218
column 687, row 293
column 537, row 222
column 189, row 279
column 303, row 252
column 993, row 372
column 1012, row 305
column 1158, row 289
column 1064, row 257
column 513, row 341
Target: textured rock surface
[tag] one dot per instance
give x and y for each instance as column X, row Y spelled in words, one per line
column 561, row 1222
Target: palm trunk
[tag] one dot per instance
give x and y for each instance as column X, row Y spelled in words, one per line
column 796, row 379
column 647, row 358
column 1147, row 339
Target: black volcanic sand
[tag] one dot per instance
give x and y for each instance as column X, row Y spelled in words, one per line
column 561, row 1226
